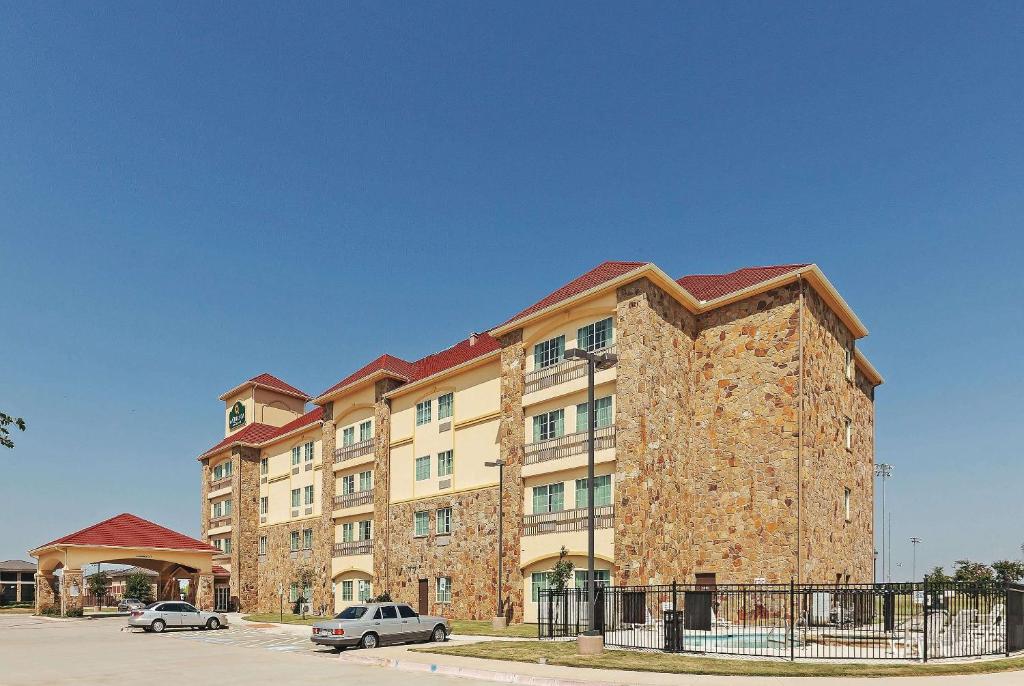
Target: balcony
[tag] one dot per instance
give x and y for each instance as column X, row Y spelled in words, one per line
column 570, row 444
column 353, row 548
column 560, row 372
column 350, row 452
column 220, row 483
column 568, row 520
column 353, row 499
column 220, row 521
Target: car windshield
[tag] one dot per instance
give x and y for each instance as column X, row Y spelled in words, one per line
column 353, row 612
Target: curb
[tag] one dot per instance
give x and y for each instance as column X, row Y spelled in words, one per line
column 471, row 673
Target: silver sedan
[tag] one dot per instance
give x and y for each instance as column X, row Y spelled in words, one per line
column 371, row 624
column 172, row 614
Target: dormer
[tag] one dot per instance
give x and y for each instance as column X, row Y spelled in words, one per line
column 263, row 399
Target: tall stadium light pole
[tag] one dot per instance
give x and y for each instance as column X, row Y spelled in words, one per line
column 499, row 617
column 595, row 361
column 884, row 471
column 914, row 540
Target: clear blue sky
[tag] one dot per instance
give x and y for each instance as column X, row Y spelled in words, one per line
column 190, row 195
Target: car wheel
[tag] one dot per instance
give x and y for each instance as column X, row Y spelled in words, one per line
column 369, row 641
column 158, row 625
column 438, row 635
column 213, row 623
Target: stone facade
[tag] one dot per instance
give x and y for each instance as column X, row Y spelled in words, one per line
column 382, row 483
column 279, row 568
column 512, row 438
column 323, row 532
column 245, row 518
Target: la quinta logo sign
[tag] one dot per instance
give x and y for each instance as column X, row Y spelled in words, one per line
column 236, row 417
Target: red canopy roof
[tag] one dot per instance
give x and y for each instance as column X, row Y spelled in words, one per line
column 130, row 531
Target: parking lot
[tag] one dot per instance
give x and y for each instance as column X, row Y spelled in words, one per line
column 43, row 651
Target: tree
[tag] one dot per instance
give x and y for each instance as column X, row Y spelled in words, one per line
column 1008, row 571
column 98, row 585
column 562, row 572
column 972, row 572
column 937, row 576
column 137, row 585
column 5, row 435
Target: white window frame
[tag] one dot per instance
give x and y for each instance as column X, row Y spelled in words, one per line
column 365, row 430
column 605, row 415
column 422, row 460
column 366, row 481
column 348, row 484
column 348, row 436
column 424, row 410
column 264, row 466
column 420, row 516
column 307, row 495
column 445, row 463
column 348, row 532
column 308, row 451
column 558, row 486
column 548, row 425
column 264, row 504
column 846, row 504
column 262, row 545
column 346, row 590
column 296, row 497
column 444, row 521
column 848, row 429
column 365, row 529
column 307, row 537
column 548, row 353
column 445, row 405
column 599, row 481
column 294, row 541
column 296, row 455
column 443, row 590
column 587, row 338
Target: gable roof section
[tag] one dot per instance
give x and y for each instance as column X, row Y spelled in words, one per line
column 130, row 531
column 17, row 566
column 256, row 435
column 707, row 287
column 460, row 353
column 388, row 365
column 267, row 381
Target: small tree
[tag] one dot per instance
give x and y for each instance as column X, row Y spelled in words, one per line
column 5, row 435
column 972, row 572
column 137, row 585
column 562, row 571
column 937, row 576
column 1008, row 571
column 98, row 585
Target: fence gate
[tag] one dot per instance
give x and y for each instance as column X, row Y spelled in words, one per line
column 1014, row 618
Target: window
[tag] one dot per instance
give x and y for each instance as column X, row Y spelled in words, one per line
column 222, row 471
column 346, row 590
column 366, row 481
column 227, row 545
column 296, row 455
column 264, row 467
column 264, row 505
column 444, row 521
column 602, row 491
column 603, row 414
column 444, row 589
column 549, row 425
column 365, row 530
column 388, row 612
column 307, row 539
column 295, row 497
column 548, row 353
column 601, row 576
column 366, row 430
column 549, row 498
column 423, row 468
column 308, row 495
column 848, row 439
column 595, row 336
column 444, row 463
column 218, row 510
column 406, row 612
column 846, row 503
column 364, row 590
column 348, row 484
column 263, row 545
column 227, row 508
column 445, row 405
column 423, row 411
column 539, row 581
column 293, row 592
column 307, row 451
column 294, row 541
column 348, row 436
column 348, row 532
column 850, row 366
column 420, row 524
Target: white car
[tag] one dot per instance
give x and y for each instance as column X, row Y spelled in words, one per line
column 173, row 614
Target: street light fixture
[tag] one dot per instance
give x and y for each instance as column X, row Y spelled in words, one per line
column 914, row 540
column 499, row 618
column 595, row 361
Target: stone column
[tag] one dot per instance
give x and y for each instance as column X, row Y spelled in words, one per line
column 167, row 587
column 72, row 577
column 323, row 538
column 382, row 486
column 204, row 591
column 513, row 438
column 46, row 591
column 245, row 518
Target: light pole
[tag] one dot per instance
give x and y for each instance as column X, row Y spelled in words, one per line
column 914, row 540
column 884, row 471
column 594, row 362
column 499, row 620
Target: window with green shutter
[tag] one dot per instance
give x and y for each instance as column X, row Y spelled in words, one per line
column 348, row 484
column 366, row 431
column 445, row 463
column 308, row 495
column 445, row 405
column 294, row 541
column 548, row 353
column 348, row 436
column 346, row 590
column 539, row 581
column 548, row 425
column 307, row 451
column 604, row 414
column 348, row 532
column 296, row 494
column 421, row 524
column 602, row 577
column 423, row 468
column 365, row 481
column 602, row 491
column 595, row 336
column 296, row 455
column 549, row 498
column 423, row 412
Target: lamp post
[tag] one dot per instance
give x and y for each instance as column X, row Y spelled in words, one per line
column 914, row 540
column 499, row 620
column 884, row 471
column 591, row 640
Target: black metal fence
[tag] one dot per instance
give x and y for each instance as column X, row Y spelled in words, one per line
column 912, row 621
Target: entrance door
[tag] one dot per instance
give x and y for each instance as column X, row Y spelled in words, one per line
column 221, row 596
column 424, row 597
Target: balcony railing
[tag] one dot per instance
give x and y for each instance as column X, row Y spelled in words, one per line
column 353, row 548
column 220, row 521
column 560, row 372
column 220, row 483
column 353, row 499
column 568, row 520
column 350, row 452
column 570, row 444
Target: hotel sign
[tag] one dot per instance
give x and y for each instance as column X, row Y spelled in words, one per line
column 236, row 417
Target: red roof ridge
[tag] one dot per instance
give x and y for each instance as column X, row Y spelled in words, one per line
column 130, row 531
column 270, row 381
column 707, row 287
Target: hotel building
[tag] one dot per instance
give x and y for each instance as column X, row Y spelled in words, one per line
column 734, row 442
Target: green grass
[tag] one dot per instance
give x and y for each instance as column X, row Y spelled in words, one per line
column 289, row 618
column 478, row 627
column 17, row 610
column 564, row 653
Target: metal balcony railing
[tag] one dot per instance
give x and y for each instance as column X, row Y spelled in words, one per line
column 353, row 499
column 560, row 372
column 350, row 452
column 220, row 483
column 353, row 548
column 568, row 520
column 570, row 444
column 220, row 521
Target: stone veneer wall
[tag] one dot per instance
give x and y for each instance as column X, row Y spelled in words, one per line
column 381, row 484
column 746, row 368
column 245, row 518
column 467, row 556
column 323, row 528
column 654, row 338
column 830, row 545
column 279, row 567
column 204, row 503
column 512, row 436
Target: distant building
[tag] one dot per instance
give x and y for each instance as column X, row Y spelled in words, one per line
column 118, row 580
column 17, row 582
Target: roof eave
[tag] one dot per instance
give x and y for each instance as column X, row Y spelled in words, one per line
column 419, row 383
column 358, row 383
column 55, row 544
column 293, row 432
column 254, row 384
column 870, row 371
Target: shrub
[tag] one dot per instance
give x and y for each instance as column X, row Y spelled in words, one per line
column 50, row 611
column 384, row 597
column 75, row 612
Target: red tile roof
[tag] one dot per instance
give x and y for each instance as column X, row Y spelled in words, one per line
column 460, row 353
column 220, row 571
column 261, row 434
column 394, row 366
column 129, row 531
column 269, row 381
column 711, row 286
column 606, row 271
